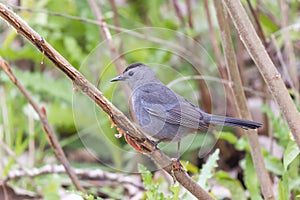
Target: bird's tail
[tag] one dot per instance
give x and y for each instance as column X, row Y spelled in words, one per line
column 230, row 121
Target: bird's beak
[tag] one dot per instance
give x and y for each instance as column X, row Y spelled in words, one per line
column 118, row 78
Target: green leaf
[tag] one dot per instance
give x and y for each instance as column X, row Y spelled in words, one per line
column 152, row 188
column 73, row 48
column 175, row 192
column 242, row 144
column 280, row 127
column 283, row 187
column 189, row 167
column 50, row 185
column 207, row 169
column 146, row 176
column 50, row 87
column 250, row 177
column 293, row 168
column 234, row 186
column 273, row 164
column 291, row 152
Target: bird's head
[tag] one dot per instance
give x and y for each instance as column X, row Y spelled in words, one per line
column 136, row 75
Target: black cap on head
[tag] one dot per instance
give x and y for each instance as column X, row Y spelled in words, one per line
column 133, row 65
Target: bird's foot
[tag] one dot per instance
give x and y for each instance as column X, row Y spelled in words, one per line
column 176, row 166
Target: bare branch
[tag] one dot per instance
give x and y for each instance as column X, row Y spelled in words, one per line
column 265, row 65
column 178, row 11
column 114, row 55
column 240, row 97
column 87, row 174
column 288, row 48
column 221, row 66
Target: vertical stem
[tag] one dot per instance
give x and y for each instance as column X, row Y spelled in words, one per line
column 265, row 65
column 189, row 13
column 221, row 65
column 288, row 46
column 31, row 150
column 231, row 61
column 5, row 117
column 178, row 11
column 1, row 153
column 105, row 32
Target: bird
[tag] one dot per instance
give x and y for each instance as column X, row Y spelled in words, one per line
column 164, row 115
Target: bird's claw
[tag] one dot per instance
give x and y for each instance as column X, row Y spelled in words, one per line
column 176, row 166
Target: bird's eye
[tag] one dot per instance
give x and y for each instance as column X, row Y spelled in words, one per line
column 130, row 73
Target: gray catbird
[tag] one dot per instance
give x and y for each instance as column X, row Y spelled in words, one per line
column 164, row 115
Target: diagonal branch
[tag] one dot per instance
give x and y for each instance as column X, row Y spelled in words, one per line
column 116, row 115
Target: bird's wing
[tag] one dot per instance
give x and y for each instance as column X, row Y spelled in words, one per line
column 165, row 104
column 183, row 115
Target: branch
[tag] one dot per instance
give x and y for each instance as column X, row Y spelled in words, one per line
column 109, row 39
column 264, row 64
column 288, row 48
column 48, row 129
column 178, row 11
column 259, row 29
column 189, row 13
column 87, row 174
column 240, row 97
column 116, row 115
column 220, row 63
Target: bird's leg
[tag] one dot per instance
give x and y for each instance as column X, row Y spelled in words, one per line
column 178, row 151
column 155, row 143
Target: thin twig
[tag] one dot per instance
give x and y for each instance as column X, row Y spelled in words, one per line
column 258, row 25
column 214, row 79
column 5, row 118
column 87, row 174
column 106, row 35
column 288, row 47
column 117, row 24
column 214, row 42
column 281, row 61
column 116, row 115
column 114, row 54
column 260, row 33
column 189, row 13
column 221, row 66
column 48, row 129
column 31, row 148
column 244, row 112
column 115, row 17
column 178, row 11
column 177, row 48
column 265, row 9
column 1, row 139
